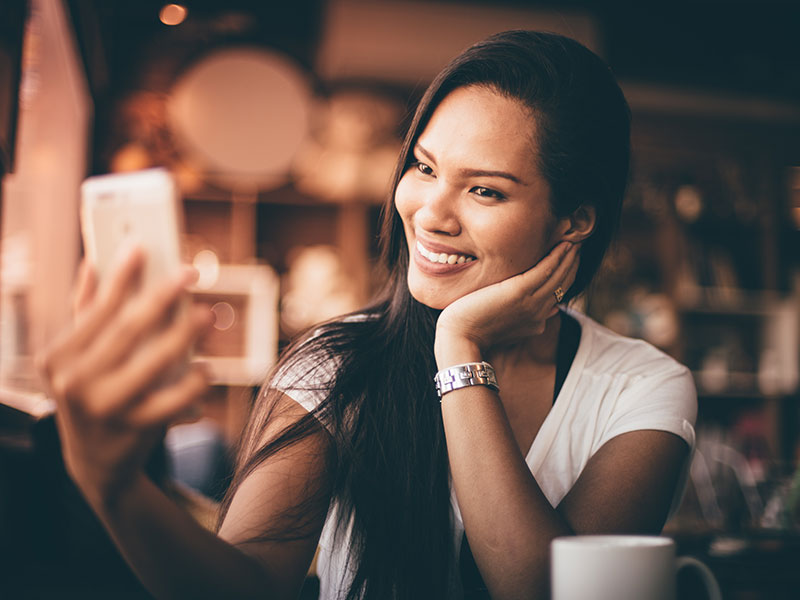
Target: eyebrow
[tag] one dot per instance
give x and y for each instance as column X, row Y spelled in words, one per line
column 474, row 172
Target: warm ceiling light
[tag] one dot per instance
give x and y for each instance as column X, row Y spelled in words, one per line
column 173, row 14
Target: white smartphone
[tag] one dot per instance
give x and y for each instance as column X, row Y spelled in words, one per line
column 138, row 208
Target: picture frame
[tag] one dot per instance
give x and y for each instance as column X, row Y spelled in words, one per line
column 243, row 343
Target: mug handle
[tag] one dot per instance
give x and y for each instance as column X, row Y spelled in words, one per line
column 710, row 582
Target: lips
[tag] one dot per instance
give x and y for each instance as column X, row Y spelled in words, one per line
column 436, row 259
column 443, row 257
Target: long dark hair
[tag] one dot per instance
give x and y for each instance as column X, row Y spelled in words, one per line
column 373, row 374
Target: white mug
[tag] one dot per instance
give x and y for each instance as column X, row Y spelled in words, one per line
column 620, row 567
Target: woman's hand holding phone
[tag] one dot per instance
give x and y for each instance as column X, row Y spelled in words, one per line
column 112, row 374
column 505, row 312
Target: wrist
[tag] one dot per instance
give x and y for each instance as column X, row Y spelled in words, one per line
column 452, row 349
column 465, row 375
column 105, row 498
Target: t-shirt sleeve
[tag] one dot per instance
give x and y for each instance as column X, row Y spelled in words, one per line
column 306, row 378
column 665, row 401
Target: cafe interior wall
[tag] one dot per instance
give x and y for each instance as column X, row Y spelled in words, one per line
column 707, row 262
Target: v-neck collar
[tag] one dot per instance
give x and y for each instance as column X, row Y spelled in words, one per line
column 550, row 426
column 569, row 336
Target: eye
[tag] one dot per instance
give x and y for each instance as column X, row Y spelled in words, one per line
column 422, row 168
column 485, row 192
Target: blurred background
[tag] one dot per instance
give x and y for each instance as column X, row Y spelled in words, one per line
column 282, row 121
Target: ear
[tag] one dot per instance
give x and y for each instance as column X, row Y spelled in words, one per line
column 579, row 225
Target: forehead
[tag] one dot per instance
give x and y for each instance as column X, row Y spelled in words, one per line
column 479, row 123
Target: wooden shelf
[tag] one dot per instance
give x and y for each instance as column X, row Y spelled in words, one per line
column 740, row 384
column 746, row 303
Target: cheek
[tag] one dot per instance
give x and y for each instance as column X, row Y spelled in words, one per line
column 404, row 199
column 519, row 244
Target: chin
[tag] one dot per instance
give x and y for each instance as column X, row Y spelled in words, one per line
column 427, row 299
column 431, row 298
column 433, row 305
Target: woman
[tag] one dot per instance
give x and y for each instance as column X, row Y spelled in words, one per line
column 507, row 191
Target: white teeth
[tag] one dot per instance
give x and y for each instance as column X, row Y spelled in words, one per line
column 443, row 257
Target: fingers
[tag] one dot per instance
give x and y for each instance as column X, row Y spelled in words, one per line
column 144, row 371
column 112, row 294
column 124, row 344
column 136, row 398
column 564, row 275
column 173, row 401
column 552, row 271
column 139, row 319
column 550, row 263
column 97, row 313
column 562, row 285
column 85, row 287
column 569, row 278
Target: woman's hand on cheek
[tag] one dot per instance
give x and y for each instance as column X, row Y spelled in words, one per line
column 113, row 378
column 507, row 311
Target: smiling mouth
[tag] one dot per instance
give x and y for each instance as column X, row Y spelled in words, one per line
column 443, row 258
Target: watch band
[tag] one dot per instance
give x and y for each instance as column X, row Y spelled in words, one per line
column 466, row 375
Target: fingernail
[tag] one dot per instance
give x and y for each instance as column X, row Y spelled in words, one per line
column 189, row 274
column 128, row 253
column 131, row 250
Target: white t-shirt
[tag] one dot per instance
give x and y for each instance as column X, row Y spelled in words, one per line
column 615, row 385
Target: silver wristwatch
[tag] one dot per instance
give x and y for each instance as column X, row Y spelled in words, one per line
column 466, row 375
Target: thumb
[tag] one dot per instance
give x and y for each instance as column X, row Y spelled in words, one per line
column 85, row 287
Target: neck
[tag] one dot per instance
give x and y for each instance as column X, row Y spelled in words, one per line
column 536, row 350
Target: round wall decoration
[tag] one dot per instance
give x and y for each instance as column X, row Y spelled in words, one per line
column 239, row 115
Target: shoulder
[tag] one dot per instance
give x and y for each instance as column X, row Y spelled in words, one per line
column 611, row 353
column 633, row 385
column 309, row 367
column 630, row 376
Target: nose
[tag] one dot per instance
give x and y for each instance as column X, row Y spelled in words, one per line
column 438, row 212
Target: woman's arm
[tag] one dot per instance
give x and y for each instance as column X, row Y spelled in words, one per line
column 174, row 557
column 112, row 376
column 627, row 486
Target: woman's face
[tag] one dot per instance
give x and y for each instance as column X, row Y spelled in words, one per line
column 474, row 206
